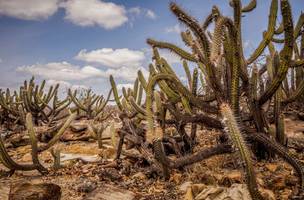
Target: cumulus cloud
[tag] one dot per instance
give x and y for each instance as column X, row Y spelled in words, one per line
column 95, row 12
column 63, row 84
column 125, row 73
column 137, row 11
column 150, row 14
column 28, row 9
column 174, row 29
column 60, row 71
column 64, row 71
column 114, row 58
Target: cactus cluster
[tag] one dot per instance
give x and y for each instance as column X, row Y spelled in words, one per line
column 33, row 105
column 239, row 97
column 91, row 104
column 257, row 92
column 44, row 106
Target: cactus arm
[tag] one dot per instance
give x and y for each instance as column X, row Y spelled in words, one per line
column 30, row 128
column 299, row 25
column 139, row 96
column 165, row 88
column 279, row 150
column 250, row 6
column 58, row 134
column 199, row 102
column 10, row 163
column 135, row 88
column 212, row 16
column 269, row 33
column 136, row 107
column 142, row 79
column 115, row 93
column 173, row 48
column 280, row 29
column 76, row 101
column 194, row 26
column 186, row 104
column 296, row 94
column 285, row 54
column 160, row 156
column 236, row 64
column 233, row 130
column 187, row 71
column 104, row 103
column 254, row 83
column 217, row 39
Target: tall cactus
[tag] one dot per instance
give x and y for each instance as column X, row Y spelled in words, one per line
column 234, row 132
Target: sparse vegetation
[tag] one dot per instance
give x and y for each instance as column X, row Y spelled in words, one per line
column 244, row 101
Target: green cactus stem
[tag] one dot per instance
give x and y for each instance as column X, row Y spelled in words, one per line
column 233, row 130
column 58, row 134
column 285, row 54
column 269, row 34
column 30, row 129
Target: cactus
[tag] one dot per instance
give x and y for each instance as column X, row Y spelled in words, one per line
column 224, row 77
column 30, row 128
column 58, row 134
column 56, row 156
column 269, row 33
column 91, row 104
column 251, row 5
column 285, row 54
column 235, row 134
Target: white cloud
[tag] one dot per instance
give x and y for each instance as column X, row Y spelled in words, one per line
column 174, row 29
column 95, row 12
column 60, row 71
column 64, row 71
column 126, row 73
column 114, row 58
column 63, row 84
column 28, row 9
column 135, row 10
column 150, row 14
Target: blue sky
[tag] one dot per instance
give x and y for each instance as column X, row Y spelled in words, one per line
column 80, row 42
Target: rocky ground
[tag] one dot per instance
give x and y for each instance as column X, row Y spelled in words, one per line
column 83, row 176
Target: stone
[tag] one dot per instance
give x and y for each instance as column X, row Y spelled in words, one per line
column 267, row 194
column 271, row 167
column 235, row 192
column 86, row 187
column 110, row 174
column 140, row 176
column 78, row 127
column 189, row 194
column 4, row 190
column 109, row 192
column 183, row 187
column 197, row 188
column 29, row 191
column 176, row 178
column 230, row 178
